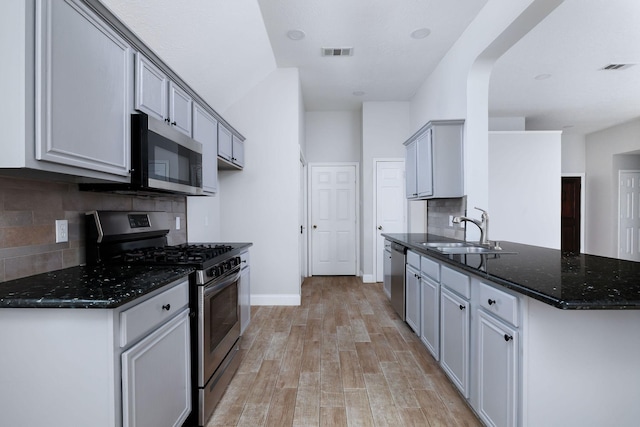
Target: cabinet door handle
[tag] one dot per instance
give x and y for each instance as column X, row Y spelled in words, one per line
column 168, row 120
column 491, row 301
column 507, row 337
column 462, row 307
column 174, row 123
column 166, row 307
column 380, row 227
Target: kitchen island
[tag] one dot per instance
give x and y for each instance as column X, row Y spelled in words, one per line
column 85, row 346
column 533, row 337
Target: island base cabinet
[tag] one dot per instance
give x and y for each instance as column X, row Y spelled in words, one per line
column 430, row 316
column 497, row 372
column 412, row 296
column 156, row 377
column 454, row 336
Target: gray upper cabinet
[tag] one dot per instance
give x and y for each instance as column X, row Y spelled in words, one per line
column 434, row 161
column 205, row 131
column 238, row 152
column 230, row 149
column 82, row 90
column 160, row 97
column 411, row 161
column 225, row 143
column 151, row 89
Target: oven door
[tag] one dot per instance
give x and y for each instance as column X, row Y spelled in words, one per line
column 218, row 325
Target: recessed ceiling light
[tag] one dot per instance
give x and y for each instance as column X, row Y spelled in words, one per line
column 542, row 76
column 296, row 34
column 420, row 33
column 358, row 93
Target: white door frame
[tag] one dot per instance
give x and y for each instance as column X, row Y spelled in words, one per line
column 583, row 208
column 620, row 172
column 310, row 166
column 304, row 245
column 374, row 249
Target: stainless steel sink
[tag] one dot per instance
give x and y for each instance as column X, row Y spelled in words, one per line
column 444, row 244
column 463, row 248
column 469, row 250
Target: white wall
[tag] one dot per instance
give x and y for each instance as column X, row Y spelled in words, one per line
column 260, row 204
column 459, row 86
column 203, row 219
column 573, row 153
column 601, row 233
column 385, row 126
column 333, row 136
column 525, row 187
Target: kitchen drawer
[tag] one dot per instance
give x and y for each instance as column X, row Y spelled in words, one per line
column 430, row 268
column 413, row 259
column 456, row 281
column 148, row 315
column 500, row 303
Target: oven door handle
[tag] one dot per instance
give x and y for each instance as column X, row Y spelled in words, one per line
column 226, row 281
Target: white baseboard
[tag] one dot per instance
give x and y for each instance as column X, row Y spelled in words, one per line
column 275, row 299
column 368, row 278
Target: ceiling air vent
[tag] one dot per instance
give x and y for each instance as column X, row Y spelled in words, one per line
column 337, row 51
column 617, row 66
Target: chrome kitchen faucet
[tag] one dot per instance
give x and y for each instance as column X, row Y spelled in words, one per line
column 482, row 224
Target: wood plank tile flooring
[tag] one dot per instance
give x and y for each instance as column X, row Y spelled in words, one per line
column 342, row 358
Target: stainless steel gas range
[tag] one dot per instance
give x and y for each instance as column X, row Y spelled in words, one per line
column 115, row 237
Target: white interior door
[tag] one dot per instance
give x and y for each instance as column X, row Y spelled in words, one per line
column 629, row 221
column 391, row 207
column 333, row 220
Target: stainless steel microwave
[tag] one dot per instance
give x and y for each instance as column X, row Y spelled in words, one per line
column 163, row 160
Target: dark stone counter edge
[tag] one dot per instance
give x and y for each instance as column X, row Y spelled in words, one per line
column 171, row 274
column 555, row 302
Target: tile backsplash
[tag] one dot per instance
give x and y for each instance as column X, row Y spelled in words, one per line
column 438, row 212
column 29, row 208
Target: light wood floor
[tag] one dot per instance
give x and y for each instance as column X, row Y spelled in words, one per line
column 342, row 358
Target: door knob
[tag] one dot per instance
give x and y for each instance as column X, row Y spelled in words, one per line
column 379, row 227
column 315, row 226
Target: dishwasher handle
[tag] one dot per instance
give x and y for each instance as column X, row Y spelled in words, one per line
column 398, row 248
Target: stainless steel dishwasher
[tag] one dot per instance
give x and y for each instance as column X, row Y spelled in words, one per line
column 398, row 261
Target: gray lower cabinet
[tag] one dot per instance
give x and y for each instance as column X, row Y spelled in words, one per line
column 128, row 366
column 497, row 372
column 155, row 377
column 82, row 90
column 412, row 295
column 454, row 336
column 244, row 292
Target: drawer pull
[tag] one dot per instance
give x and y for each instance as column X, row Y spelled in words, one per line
column 166, row 307
column 491, row 301
column 462, row 307
column 507, row 337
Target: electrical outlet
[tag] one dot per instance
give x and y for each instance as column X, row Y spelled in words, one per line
column 177, row 223
column 62, row 230
column 450, row 220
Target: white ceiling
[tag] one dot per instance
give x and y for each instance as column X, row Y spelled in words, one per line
column 223, row 48
column 387, row 63
column 572, row 45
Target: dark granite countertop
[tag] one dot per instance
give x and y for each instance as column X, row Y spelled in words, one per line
column 87, row 286
column 564, row 281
